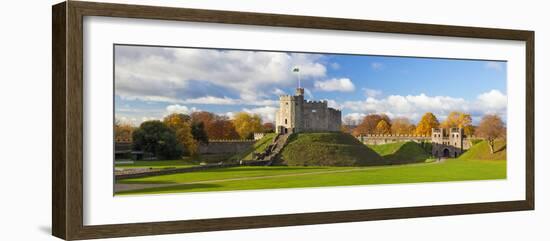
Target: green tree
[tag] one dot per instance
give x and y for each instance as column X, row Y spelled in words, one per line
column 199, row 133
column 157, row 138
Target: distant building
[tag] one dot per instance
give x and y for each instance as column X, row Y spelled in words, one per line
column 448, row 142
column 298, row 115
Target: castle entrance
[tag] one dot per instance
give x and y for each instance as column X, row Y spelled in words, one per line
column 446, row 152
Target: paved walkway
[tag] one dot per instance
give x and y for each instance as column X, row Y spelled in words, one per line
column 119, row 187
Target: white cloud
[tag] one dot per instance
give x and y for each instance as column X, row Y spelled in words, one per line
column 181, row 109
column 354, row 118
column 267, row 113
column 493, row 101
column 372, row 92
column 335, row 66
column 171, row 74
column 278, row 91
column 376, row 65
column 342, row 84
column 495, row 65
column 413, row 106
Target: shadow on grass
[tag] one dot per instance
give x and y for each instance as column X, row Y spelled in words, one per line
column 130, row 181
column 174, row 188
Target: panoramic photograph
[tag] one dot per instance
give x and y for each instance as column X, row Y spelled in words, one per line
column 202, row 120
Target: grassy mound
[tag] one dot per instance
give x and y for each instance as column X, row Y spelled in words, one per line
column 328, row 149
column 401, row 152
column 258, row 147
column 481, row 151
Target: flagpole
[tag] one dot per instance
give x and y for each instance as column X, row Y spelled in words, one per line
column 299, row 81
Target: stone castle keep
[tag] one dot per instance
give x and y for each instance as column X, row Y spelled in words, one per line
column 298, row 115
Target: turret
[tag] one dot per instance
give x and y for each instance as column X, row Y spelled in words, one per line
column 299, row 91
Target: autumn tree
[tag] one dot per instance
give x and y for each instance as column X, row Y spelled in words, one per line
column 426, row 124
column 402, row 126
column 369, row 123
column 181, row 125
column 157, row 138
column 383, row 127
column 221, row 128
column 246, row 124
column 123, row 131
column 268, row 127
column 491, row 128
column 457, row 119
column 202, row 116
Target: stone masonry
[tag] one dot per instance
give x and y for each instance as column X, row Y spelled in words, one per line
column 298, row 115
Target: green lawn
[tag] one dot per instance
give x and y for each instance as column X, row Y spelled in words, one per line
column 232, row 172
column 281, row 177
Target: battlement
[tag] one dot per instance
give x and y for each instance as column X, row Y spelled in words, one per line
column 442, row 132
column 230, row 140
column 394, row 135
column 316, row 102
column 306, row 115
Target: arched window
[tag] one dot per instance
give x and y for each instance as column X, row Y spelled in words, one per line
column 286, row 121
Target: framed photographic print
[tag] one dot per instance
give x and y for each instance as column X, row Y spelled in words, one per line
column 171, row 120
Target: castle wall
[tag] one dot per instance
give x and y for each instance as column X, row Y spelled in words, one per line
column 376, row 139
column 225, row 147
column 318, row 117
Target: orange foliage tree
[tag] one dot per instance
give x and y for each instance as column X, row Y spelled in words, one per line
column 402, row 126
column 246, row 124
column 383, row 127
column 426, row 124
column 369, row 123
column 491, row 128
column 460, row 120
column 181, row 125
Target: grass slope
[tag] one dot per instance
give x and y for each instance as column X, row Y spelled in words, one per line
column 401, row 152
column 481, row 151
column 450, row 170
column 258, row 147
column 328, row 149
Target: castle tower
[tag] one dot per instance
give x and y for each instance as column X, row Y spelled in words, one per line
column 299, row 91
column 447, row 142
column 455, row 137
column 288, row 117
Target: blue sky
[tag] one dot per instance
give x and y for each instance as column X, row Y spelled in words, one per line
column 151, row 82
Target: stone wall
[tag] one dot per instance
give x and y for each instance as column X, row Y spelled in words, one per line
column 225, row 146
column 385, row 139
